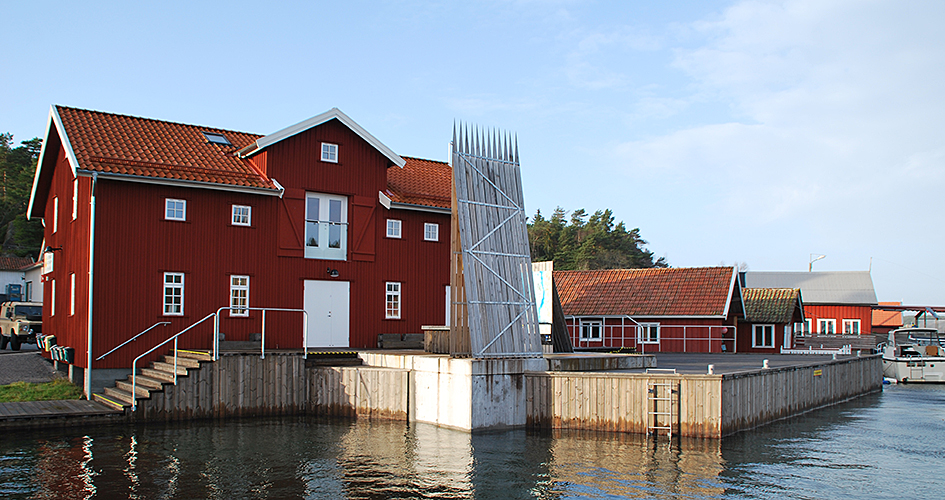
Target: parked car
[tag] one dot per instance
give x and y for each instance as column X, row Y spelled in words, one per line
column 19, row 323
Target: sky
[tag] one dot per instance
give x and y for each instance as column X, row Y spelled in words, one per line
column 758, row 133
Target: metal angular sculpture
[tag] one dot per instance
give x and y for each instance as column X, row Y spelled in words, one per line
column 495, row 260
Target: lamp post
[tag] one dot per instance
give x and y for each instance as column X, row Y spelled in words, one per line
column 814, row 257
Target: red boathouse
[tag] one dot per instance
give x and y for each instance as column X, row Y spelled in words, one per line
column 174, row 221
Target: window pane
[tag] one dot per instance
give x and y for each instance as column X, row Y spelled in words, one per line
column 311, row 234
column 334, row 210
column 334, row 236
column 311, row 212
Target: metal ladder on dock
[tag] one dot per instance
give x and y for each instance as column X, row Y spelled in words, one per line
column 662, row 404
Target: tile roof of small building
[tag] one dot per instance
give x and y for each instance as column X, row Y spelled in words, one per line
column 892, row 319
column 698, row 291
column 14, row 263
column 144, row 147
column 420, row 182
column 770, row 305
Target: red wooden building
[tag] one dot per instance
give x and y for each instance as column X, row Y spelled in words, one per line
column 175, row 221
column 652, row 310
column 835, row 302
column 770, row 316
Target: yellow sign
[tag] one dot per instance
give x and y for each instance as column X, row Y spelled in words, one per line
column 818, row 373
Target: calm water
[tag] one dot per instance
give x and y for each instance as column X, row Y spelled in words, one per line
column 889, row 445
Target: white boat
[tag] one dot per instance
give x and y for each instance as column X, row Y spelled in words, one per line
column 914, row 355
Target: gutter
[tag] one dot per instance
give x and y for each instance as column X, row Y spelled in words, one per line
column 88, row 347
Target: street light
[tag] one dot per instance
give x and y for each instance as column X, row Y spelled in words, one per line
column 810, row 266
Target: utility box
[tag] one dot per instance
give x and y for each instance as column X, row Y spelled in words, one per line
column 14, row 292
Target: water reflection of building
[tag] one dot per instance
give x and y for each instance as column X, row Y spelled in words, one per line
column 62, row 469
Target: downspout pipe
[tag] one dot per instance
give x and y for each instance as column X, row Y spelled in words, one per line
column 88, row 349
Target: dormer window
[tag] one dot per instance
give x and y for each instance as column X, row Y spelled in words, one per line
column 329, row 152
column 217, row 138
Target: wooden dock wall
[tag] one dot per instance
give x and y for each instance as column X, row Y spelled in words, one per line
column 756, row 398
column 708, row 406
column 616, row 402
column 239, row 385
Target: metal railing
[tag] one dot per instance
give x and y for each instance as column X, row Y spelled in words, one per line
column 159, row 323
column 617, row 332
column 216, row 340
column 134, row 364
column 262, row 346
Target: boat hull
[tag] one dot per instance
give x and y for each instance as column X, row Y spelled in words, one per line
column 920, row 369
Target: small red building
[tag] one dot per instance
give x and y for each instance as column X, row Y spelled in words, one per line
column 148, row 221
column 770, row 316
column 834, row 302
column 652, row 310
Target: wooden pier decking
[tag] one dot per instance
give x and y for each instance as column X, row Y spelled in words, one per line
column 52, row 413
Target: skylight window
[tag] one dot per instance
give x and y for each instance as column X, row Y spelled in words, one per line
column 217, row 138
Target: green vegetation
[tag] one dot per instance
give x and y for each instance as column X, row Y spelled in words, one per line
column 594, row 243
column 50, row 391
column 18, row 236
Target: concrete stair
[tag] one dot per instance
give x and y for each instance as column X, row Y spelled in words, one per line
column 151, row 379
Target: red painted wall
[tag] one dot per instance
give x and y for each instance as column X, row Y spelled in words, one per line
column 135, row 245
column 839, row 313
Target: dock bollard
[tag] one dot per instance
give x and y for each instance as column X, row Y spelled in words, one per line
column 711, row 369
column 764, row 364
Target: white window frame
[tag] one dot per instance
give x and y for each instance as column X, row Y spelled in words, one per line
column 72, row 296
column 55, row 220
column 329, row 152
column 826, row 321
column 239, row 218
column 392, row 300
column 644, row 333
column 75, row 198
column 431, row 231
column 52, row 298
column 767, row 336
column 321, row 226
column 29, row 291
column 854, row 324
column 169, row 302
column 239, row 296
column 395, row 228
column 170, row 213
column 592, row 329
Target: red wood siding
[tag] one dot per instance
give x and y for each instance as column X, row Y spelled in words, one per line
column 746, row 333
column 135, row 246
column 73, row 237
column 840, row 313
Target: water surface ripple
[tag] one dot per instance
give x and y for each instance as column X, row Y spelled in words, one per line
column 889, row 445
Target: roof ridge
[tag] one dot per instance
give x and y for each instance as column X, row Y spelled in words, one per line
column 158, row 120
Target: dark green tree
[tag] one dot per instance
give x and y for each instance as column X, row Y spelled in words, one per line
column 17, row 167
column 588, row 242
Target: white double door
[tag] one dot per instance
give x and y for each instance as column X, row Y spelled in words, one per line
column 327, row 304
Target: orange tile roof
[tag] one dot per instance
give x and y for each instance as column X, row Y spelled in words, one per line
column 887, row 318
column 144, row 147
column 420, row 182
column 135, row 146
column 699, row 291
column 770, row 305
column 14, row 263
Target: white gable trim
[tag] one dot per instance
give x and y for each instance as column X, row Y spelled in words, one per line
column 731, row 291
column 332, row 114
column 54, row 120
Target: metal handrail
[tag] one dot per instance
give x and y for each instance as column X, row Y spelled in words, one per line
column 132, row 338
column 262, row 344
column 134, row 364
